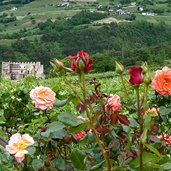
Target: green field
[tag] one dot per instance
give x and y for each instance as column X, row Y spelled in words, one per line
column 29, row 15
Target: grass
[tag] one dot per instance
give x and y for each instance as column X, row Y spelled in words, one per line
column 7, row 42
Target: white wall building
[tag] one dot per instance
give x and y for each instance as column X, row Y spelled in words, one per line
column 19, row 70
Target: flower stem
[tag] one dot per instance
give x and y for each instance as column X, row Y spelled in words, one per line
column 140, row 118
column 100, row 143
column 82, row 81
column 145, row 96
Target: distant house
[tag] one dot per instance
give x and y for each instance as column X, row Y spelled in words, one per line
column 148, row 14
column 19, row 70
column 13, row 9
column 122, row 12
column 140, row 9
column 133, row 3
column 64, row 4
column 100, row 6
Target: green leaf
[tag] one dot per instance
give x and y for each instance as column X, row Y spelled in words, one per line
column 59, row 163
column 164, row 111
column 77, row 158
column 133, row 122
column 97, row 166
column 154, row 150
column 69, row 119
column 61, row 103
column 53, row 127
column 147, row 122
column 147, row 158
column 37, row 164
column 31, row 150
column 153, row 166
column 58, row 134
column 143, row 137
column 78, row 128
column 166, row 166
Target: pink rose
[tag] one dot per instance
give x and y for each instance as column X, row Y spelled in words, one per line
column 135, row 75
column 42, row 97
column 17, row 146
column 162, row 81
column 113, row 103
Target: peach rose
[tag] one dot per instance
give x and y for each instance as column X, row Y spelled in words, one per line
column 151, row 110
column 167, row 139
column 17, row 146
column 113, row 103
column 162, row 81
column 42, row 97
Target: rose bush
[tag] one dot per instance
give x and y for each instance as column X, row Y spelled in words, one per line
column 76, row 125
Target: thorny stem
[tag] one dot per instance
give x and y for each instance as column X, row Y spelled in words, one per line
column 82, row 80
column 100, row 143
column 141, row 127
column 145, row 96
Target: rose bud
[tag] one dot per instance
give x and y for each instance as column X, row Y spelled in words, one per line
column 119, row 67
column 57, row 65
column 135, row 75
column 81, row 62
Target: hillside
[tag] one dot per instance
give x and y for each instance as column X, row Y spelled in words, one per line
column 28, row 15
column 129, row 31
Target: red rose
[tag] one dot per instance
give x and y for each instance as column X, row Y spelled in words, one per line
column 135, row 75
column 81, row 62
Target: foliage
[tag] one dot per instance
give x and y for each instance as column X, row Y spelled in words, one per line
column 86, row 17
column 3, row 2
column 63, row 37
column 87, row 129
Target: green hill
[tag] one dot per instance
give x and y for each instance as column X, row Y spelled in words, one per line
column 43, row 30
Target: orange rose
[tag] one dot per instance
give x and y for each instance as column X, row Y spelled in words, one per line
column 152, row 110
column 17, row 146
column 162, row 81
column 43, row 97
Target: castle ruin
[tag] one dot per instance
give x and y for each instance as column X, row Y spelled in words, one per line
column 19, row 70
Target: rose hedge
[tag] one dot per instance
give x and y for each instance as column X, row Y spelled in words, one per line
column 75, row 124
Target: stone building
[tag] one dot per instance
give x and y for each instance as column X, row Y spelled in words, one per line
column 19, row 70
